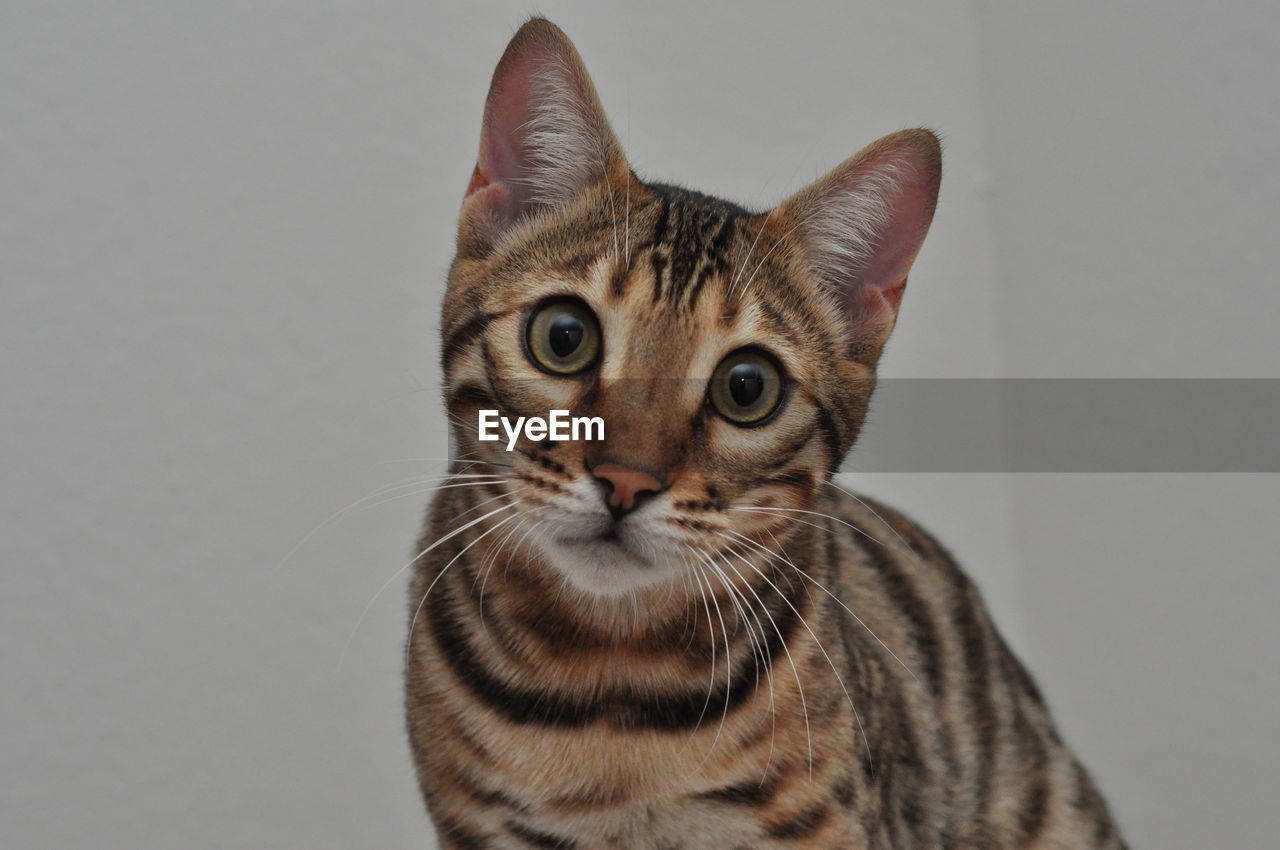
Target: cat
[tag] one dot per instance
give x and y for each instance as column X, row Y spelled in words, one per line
column 685, row 634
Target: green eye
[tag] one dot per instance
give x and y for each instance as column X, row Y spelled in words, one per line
column 746, row 387
column 563, row 337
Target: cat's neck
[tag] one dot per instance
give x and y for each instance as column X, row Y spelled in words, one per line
column 685, row 625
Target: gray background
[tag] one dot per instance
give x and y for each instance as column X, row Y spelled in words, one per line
column 223, row 233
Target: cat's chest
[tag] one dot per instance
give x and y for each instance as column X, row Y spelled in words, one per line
column 684, row 822
column 571, row 771
column 666, row 791
column 655, row 825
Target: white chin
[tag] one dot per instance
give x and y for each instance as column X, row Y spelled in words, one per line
column 602, row 566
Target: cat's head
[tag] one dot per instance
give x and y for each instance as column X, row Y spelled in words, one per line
column 730, row 354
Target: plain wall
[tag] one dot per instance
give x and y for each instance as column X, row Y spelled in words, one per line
column 223, row 236
column 1133, row 148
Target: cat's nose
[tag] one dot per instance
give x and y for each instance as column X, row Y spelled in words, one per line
column 625, row 488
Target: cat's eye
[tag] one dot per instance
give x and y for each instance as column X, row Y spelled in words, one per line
column 563, row 337
column 746, row 387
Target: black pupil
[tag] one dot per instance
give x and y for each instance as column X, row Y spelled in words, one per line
column 565, row 334
column 746, row 383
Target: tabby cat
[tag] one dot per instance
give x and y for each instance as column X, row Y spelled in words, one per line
column 685, row 635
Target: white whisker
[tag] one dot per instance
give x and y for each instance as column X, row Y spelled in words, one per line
column 838, row 600
column 414, row 621
column 821, row 648
column 711, row 677
column 795, row 670
column 728, row 674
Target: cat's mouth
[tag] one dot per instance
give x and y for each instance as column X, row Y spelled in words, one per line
column 609, row 543
column 606, row 561
column 605, row 556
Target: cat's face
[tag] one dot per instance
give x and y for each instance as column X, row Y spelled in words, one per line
column 721, row 384
column 729, row 355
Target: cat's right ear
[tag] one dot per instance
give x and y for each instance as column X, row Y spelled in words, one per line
column 544, row 139
column 861, row 226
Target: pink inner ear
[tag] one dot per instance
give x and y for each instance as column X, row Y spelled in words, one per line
column 544, row 138
column 884, row 280
column 912, row 212
column 864, row 224
column 499, row 191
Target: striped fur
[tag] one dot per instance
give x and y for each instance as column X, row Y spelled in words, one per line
column 776, row 663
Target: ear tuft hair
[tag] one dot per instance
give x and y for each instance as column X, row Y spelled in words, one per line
column 545, row 137
column 861, row 226
column 565, row 152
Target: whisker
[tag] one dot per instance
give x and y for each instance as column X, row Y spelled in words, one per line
column 496, row 480
column 799, row 224
column 484, row 502
column 821, row 648
column 450, row 460
column 874, row 513
column 412, row 481
column 414, row 621
column 743, row 265
column 626, row 230
column 489, row 562
column 482, row 575
column 746, row 622
column 746, row 611
column 814, row 513
column 728, row 676
column 400, row 571
column 711, row 678
column 430, row 489
column 795, row 671
column 838, row 600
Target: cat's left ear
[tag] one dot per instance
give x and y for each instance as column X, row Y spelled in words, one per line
column 544, row 138
column 861, row 226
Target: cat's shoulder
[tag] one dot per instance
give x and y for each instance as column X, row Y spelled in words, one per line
column 885, row 531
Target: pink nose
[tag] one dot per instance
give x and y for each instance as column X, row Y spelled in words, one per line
column 625, row 485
